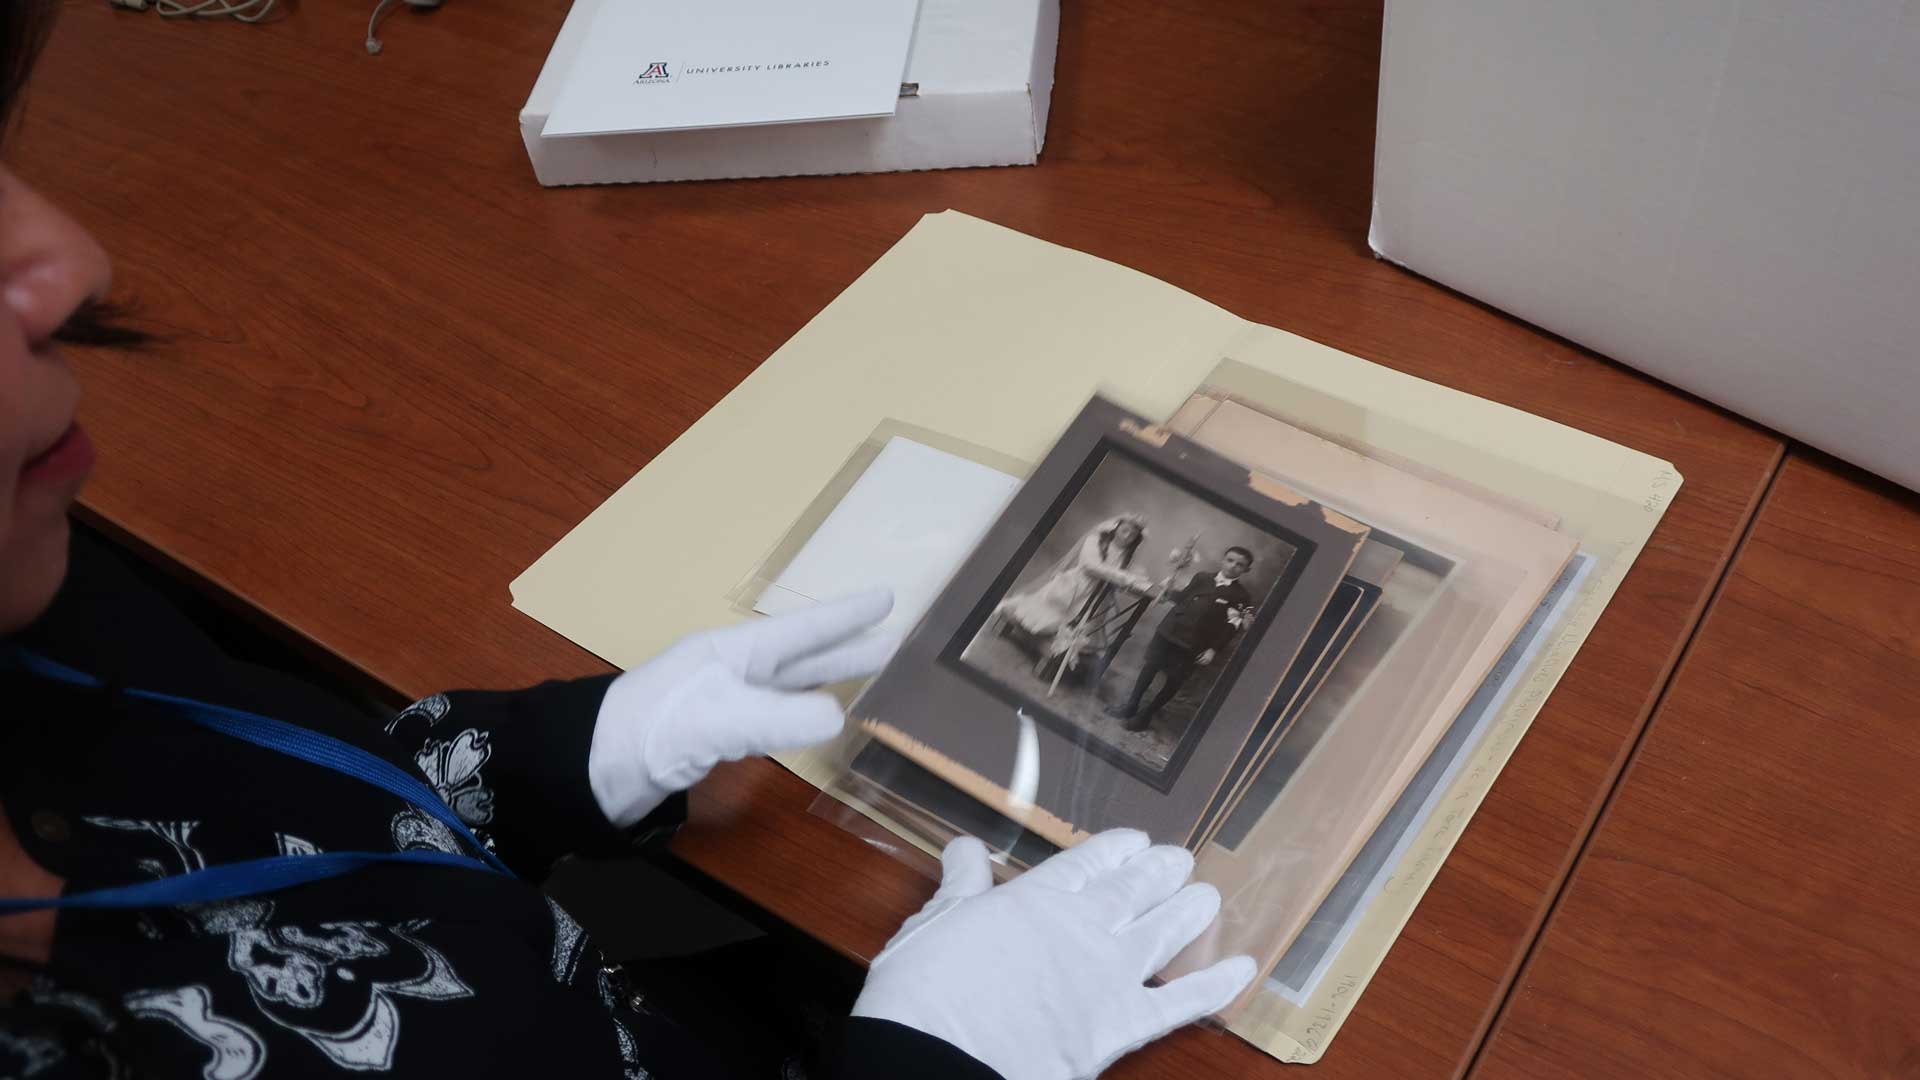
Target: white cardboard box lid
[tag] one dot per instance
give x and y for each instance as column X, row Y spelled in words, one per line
column 959, row 47
column 670, row 65
column 1724, row 194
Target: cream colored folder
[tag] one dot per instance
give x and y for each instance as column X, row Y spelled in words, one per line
column 998, row 339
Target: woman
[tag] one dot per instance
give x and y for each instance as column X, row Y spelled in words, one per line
column 211, row 869
column 1077, row 591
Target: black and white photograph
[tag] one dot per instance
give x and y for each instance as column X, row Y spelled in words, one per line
column 1102, row 655
column 1126, row 617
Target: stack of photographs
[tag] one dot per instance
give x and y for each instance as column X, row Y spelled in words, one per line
column 1104, row 654
column 1223, row 630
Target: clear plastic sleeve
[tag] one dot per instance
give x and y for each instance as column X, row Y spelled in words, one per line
column 1417, row 665
column 1605, row 497
column 1470, row 576
column 907, row 504
column 1104, row 654
column 902, row 510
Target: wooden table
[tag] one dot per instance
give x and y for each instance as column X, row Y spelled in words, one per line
column 1749, row 906
column 400, row 370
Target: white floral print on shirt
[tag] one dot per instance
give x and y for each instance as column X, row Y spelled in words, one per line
column 453, row 766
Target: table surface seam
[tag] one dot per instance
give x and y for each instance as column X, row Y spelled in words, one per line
column 1497, row 1014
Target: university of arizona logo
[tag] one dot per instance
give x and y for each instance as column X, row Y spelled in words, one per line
column 655, row 71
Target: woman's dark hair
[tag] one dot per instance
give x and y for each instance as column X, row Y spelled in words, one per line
column 101, row 322
column 24, row 25
column 1126, row 553
column 23, row 29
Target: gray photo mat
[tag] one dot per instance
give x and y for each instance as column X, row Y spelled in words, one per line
column 940, row 715
column 1119, row 624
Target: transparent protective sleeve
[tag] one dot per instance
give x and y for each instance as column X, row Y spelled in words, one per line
column 1391, row 596
column 901, row 511
column 1605, row 497
column 1396, row 702
column 1471, row 575
column 1105, row 654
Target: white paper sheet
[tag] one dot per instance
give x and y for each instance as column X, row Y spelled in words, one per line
column 663, row 65
column 907, row 523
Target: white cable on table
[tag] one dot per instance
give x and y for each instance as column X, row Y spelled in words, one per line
column 373, row 42
column 243, row 10
column 252, row 11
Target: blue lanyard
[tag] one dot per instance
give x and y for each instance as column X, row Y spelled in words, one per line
column 253, row 876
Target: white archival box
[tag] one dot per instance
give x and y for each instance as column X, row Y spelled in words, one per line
column 980, row 73
column 1724, row 194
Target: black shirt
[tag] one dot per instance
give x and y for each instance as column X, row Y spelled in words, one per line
column 405, row 969
column 1199, row 619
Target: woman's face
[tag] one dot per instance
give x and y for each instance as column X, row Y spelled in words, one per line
column 48, row 267
column 1127, row 533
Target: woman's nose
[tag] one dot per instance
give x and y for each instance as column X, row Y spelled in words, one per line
column 49, row 264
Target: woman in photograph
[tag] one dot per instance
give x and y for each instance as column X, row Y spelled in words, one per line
column 1078, row 589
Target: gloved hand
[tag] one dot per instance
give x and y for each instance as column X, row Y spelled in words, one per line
column 722, row 695
column 1043, row 978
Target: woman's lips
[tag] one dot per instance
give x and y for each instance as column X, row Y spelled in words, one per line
column 65, row 460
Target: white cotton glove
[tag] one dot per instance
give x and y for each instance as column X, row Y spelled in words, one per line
column 1043, row 978
column 722, row 695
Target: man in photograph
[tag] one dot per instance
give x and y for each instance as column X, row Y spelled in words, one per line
column 1205, row 616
